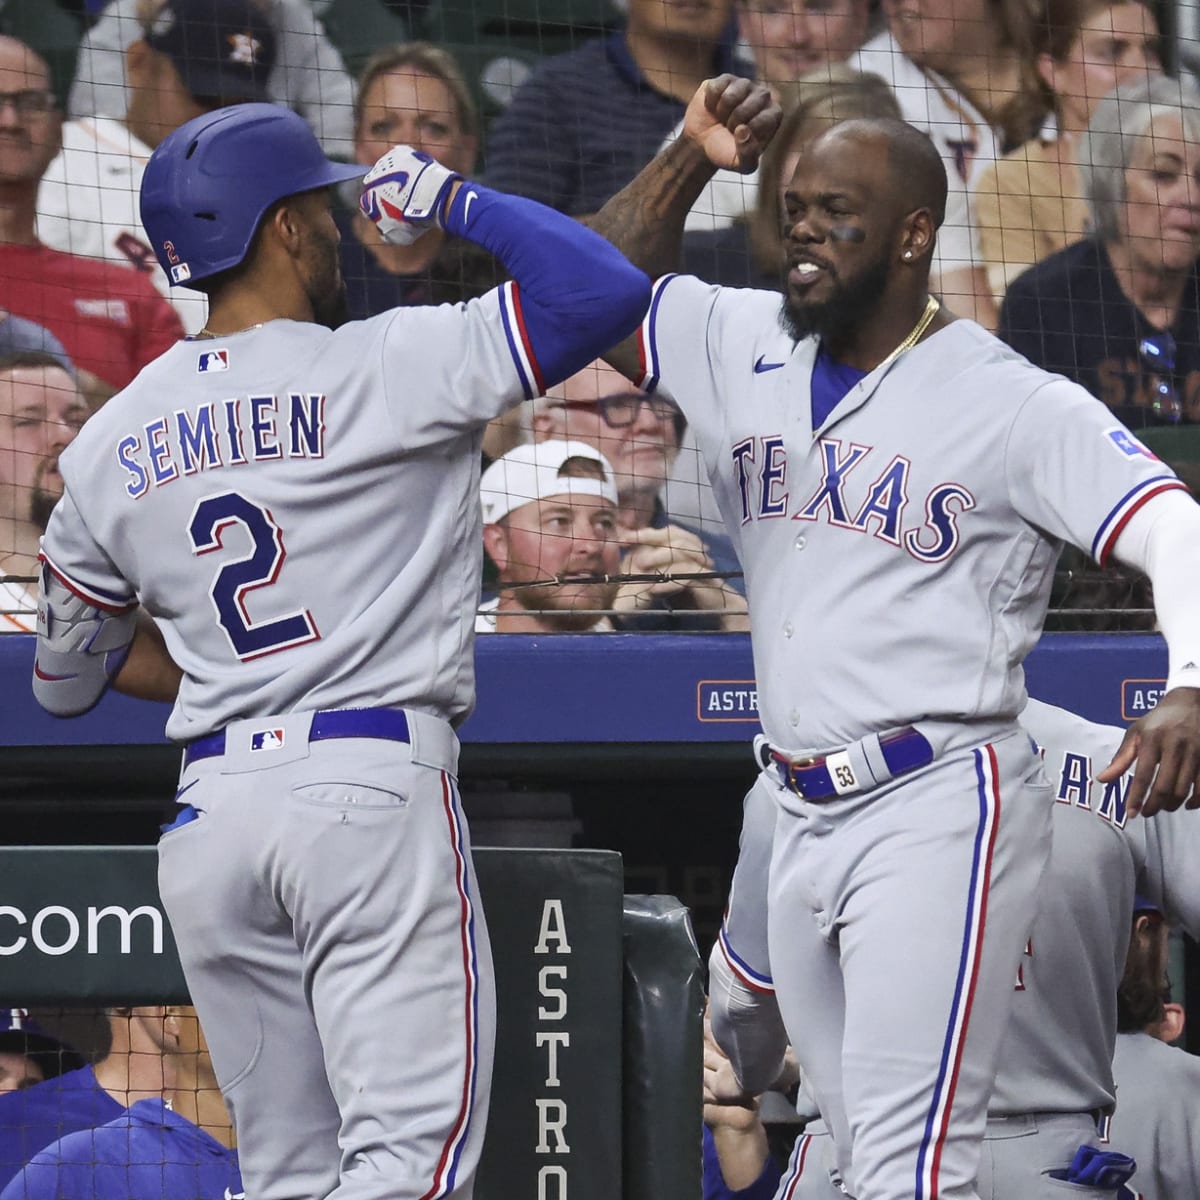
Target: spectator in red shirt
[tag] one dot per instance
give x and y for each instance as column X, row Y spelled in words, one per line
column 110, row 318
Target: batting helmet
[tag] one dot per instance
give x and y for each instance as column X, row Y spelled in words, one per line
column 209, row 182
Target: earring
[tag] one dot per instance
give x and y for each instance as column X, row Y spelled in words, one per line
column 908, row 254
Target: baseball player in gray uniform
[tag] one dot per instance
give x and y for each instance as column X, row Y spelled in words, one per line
column 297, row 507
column 900, row 485
column 1158, row 1085
column 1054, row 1090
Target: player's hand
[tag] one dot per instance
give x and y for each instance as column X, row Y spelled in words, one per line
column 1165, row 744
column 732, row 120
column 405, row 194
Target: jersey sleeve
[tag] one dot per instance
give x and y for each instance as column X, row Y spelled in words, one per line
column 1076, row 472
column 693, row 333
column 76, row 558
column 1170, row 879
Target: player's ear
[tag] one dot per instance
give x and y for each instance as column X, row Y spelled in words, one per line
column 917, row 236
column 495, row 542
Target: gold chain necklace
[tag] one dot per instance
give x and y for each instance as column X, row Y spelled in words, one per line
column 208, row 333
column 931, row 307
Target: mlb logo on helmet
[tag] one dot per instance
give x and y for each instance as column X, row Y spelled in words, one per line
column 212, row 360
column 180, row 272
column 267, row 739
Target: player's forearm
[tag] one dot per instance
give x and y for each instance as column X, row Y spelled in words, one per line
column 644, row 220
column 1163, row 539
column 747, row 1026
column 149, row 672
column 578, row 294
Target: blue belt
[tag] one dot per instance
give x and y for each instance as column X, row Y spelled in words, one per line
column 810, row 778
column 387, row 724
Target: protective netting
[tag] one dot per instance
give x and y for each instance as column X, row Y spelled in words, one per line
column 1072, row 226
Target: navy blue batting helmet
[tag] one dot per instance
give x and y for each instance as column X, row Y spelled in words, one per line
column 209, row 182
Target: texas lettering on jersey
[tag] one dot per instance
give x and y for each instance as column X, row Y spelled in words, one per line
column 222, row 433
column 875, row 501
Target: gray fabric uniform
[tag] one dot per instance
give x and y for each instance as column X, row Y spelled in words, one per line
column 1055, row 1073
column 898, row 561
column 1158, row 1115
column 333, row 876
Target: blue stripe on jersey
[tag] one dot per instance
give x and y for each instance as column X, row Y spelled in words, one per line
column 1122, row 510
column 648, row 336
column 749, row 975
column 579, row 295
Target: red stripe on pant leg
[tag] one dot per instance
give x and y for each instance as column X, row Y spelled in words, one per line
column 980, row 926
column 464, row 1111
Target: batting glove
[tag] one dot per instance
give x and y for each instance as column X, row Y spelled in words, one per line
column 403, row 194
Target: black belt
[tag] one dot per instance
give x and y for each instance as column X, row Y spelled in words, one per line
column 387, row 724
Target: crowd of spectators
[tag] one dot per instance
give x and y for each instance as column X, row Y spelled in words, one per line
column 1072, row 227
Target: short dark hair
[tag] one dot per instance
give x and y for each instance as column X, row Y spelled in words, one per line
column 1140, row 993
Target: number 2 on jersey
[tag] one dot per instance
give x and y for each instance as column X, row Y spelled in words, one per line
column 260, row 568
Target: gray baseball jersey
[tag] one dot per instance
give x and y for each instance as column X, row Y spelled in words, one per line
column 255, row 467
column 1158, row 1115
column 899, row 558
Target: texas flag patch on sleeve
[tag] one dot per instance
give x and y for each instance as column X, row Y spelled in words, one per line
column 1129, row 445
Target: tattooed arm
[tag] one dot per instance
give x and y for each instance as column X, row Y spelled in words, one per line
column 728, row 124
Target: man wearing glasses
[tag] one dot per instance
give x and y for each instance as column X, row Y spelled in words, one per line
column 640, row 435
column 111, row 320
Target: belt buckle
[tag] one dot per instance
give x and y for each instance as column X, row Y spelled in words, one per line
column 790, row 766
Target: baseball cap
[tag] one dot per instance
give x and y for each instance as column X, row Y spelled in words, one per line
column 21, row 1034
column 533, row 472
column 1143, row 905
column 222, row 49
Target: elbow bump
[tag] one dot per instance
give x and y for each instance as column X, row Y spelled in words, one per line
column 628, row 306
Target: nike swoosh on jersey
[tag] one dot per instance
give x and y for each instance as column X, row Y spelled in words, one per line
column 37, row 670
column 760, row 366
column 467, row 206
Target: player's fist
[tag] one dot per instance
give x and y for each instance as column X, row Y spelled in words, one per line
column 404, row 194
column 732, row 120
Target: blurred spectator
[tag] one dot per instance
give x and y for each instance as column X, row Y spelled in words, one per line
column 922, row 38
column 1120, row 312
column 1031, row 203
column 111, row 319
column 583, row 125
column 1157, row 1119
column 309, row 75
column 792, row 41
column 28, row 1054
column 175, row 1146
column 640, row 436
column 193, row 56
column 18, row 334
column 132, row 1069
column 750, row 252
column 413, row 93
column 41, row 411
column 549, row 511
